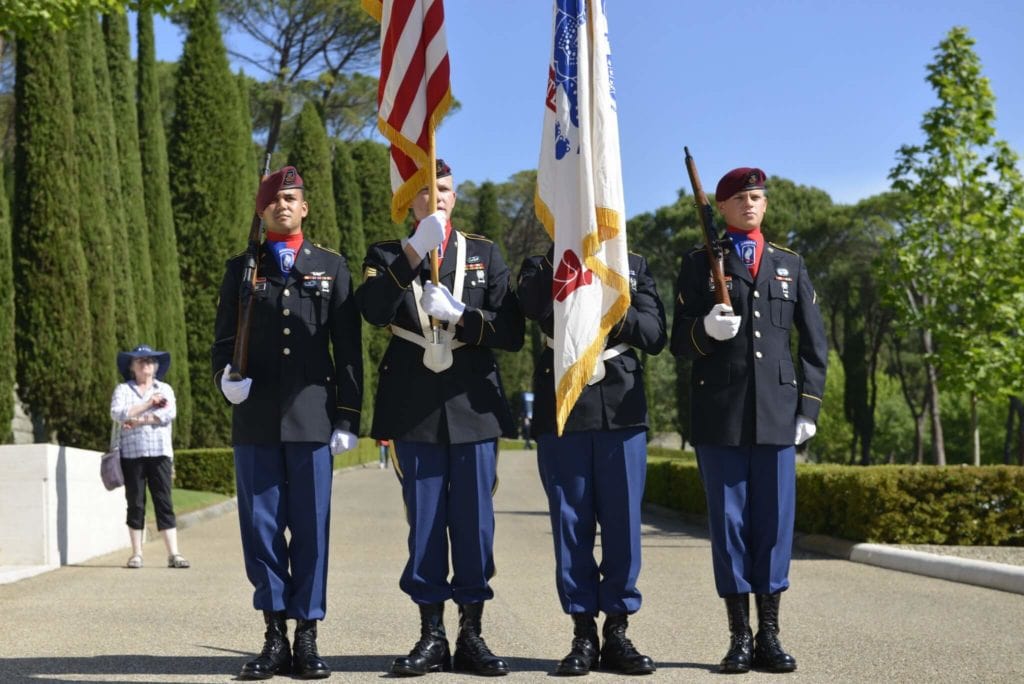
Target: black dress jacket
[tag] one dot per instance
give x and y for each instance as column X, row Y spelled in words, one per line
column 618, row 400
column 748, row 390
column 298, row 394
column 466, row 402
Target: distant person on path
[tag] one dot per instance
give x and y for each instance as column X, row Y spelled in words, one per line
column 296, row 408
column 443, row 415
column 750, row 406
column 594, row 474
column 143, row 406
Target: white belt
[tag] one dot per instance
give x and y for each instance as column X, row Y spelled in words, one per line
column 422, row 341
column 437, row 357
column 608, row 353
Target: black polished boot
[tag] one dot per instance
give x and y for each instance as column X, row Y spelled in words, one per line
column 306, row 662
column 741, row 641
column 471, row 652
column 768, row 652
column 276, row 656
column 584, row 654
column 431, row 652
column 618, row 654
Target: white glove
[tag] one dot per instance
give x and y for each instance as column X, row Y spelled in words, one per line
column 342, row 441
column 721, row 324
column 438, row 302
column 429, row 233
column 805, row 429
column 236, row 391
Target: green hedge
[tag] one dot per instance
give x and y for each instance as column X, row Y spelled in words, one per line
column 213, row 470
column 885, row 504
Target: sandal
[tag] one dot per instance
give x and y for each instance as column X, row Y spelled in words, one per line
column 135, row 562
column 176, row 560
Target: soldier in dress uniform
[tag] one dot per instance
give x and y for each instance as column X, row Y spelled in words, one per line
column 750, row 405
column 443, row 408
column 298, row 406
column 594, row 473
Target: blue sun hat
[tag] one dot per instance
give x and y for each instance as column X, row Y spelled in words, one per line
column 143, row 351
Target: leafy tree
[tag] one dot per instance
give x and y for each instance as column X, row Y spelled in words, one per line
column 207, row 209
column 348, row 207
column 6, row 322
column 311, row 155
column 33, row 16
column 488, row 220
column 331, row 40
column 163, row 243
column 126, row 122
column 49, row 266
column 126, row 331
column 101, row 369
column 959, row 253
column 662, row 237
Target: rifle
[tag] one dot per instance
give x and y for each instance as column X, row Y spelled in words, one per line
column 240, row 358
column 711, row 236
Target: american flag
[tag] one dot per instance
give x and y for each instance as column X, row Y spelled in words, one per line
column 414, row 92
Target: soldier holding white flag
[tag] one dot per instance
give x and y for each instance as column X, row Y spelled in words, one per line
column 594, row 472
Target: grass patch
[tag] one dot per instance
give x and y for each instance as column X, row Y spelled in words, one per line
column 186, row 501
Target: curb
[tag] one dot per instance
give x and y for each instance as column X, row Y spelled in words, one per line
column 1001, row 576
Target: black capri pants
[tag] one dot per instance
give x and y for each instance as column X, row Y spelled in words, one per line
column 156, row 470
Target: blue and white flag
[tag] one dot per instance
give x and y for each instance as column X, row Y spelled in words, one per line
column 579, row 197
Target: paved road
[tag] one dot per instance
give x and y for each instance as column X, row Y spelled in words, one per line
column 843, row 621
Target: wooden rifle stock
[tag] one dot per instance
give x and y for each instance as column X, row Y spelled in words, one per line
column 240, row 358
column 707, row 222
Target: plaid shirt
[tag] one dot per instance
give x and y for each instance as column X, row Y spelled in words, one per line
column 144, row 440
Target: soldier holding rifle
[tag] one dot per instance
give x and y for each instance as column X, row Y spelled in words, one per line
column 752, row 404
column 296, row 403
column 443, row 406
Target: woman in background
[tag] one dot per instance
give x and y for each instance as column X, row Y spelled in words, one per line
column 144, row 407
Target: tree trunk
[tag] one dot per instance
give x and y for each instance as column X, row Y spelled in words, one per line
column 1014, row 416
column 975, row 431
column 938, row 443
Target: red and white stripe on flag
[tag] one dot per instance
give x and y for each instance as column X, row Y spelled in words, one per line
column 579, row 197
column 414, row 92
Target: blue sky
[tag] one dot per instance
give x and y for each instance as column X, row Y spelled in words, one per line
column 820, row 92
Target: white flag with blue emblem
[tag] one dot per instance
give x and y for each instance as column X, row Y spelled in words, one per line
column 579, row 197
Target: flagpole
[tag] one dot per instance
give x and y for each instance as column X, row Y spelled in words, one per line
column 432, row 188
column 435, row 270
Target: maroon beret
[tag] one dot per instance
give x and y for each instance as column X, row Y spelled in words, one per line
column 442, row 168
column 282, row 179
column 738, row 180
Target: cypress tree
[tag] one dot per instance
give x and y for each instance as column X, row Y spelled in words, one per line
column 373, row 162
column 6, row 321
column 348, row 206
column 126, row 332
column 101, row 370
column 488, row 220
column 170, row 333
column 126, row 123
column 349, row 209
column 311, row 155
column 204, row 165
column 51, row 291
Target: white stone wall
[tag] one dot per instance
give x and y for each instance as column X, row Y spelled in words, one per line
column 54, row 509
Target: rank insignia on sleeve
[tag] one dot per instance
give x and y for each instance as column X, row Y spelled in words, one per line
column 369, row 272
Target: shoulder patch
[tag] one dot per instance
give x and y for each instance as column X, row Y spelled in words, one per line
column 783, row 249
